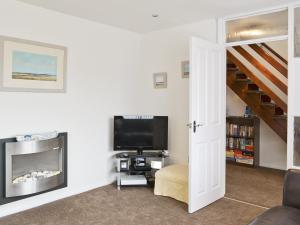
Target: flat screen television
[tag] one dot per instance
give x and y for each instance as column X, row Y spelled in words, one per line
column 140, row 133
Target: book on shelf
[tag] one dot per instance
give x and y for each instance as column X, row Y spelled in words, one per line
column 240, row 143
column 245, row 160
column 242, row 154
column 239, row 130
column 242, row 139
column 230, row 154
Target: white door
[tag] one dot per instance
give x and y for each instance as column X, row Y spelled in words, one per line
column 207, row 117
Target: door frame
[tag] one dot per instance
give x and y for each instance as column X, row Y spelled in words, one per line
column 221, row 39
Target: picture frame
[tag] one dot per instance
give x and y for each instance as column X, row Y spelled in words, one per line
column 185, row 69
column 160, row 80
column 30, row 66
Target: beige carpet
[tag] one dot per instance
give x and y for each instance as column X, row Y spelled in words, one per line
column 133, row 205
column 258, row 186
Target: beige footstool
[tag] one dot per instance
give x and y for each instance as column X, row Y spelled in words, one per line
column 172, row 181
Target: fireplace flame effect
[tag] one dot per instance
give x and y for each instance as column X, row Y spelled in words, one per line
column 36, row 175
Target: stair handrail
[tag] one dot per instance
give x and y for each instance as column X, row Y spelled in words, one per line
column 270, row 59
column 257, row 81
column 275, row 53
column 269, row 75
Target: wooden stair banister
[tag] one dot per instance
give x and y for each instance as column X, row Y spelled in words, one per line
column 257, row 81
column 275, row 53
column 279, row 67
column 262, row 69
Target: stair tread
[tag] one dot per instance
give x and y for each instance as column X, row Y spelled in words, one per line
column 232, row 69
column 280, row 116
column 265, row 110
column 243, row 80
column 268, row 104
column 260, row 102
column 254, row 91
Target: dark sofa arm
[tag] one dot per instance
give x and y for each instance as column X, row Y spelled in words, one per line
column 291, row 189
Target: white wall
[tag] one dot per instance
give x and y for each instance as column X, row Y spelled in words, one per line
column 294, row 108
column 103, row 73
column 279, row 157
column 109, row 72
column 273, row 150
column 106, row 76
column 281, row 47
column 163, row 51
column 296, row 87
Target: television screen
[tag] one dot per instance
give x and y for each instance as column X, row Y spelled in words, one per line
column 140, row 133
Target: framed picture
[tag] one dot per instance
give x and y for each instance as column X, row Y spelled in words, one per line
column 185, row 69
column 160, row 80
column 32, row 66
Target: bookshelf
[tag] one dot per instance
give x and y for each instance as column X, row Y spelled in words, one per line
column 242, row 140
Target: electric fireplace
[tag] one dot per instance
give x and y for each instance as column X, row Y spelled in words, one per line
column 33, row 167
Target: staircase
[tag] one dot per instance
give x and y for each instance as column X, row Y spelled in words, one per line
column 261, row 85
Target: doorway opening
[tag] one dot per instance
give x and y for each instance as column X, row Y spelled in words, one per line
column 257, row 107
column 256, row 121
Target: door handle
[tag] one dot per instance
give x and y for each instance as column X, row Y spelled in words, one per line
column 195, row 125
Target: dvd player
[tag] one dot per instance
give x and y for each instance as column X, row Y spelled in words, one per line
column 147, row 167
column 133, row 180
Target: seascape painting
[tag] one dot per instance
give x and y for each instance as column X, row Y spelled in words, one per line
column 32, row 66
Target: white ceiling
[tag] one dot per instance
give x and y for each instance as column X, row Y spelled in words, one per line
column 135, row 15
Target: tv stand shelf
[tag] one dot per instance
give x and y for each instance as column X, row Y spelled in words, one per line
column 146, row 171
column 126, row 155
